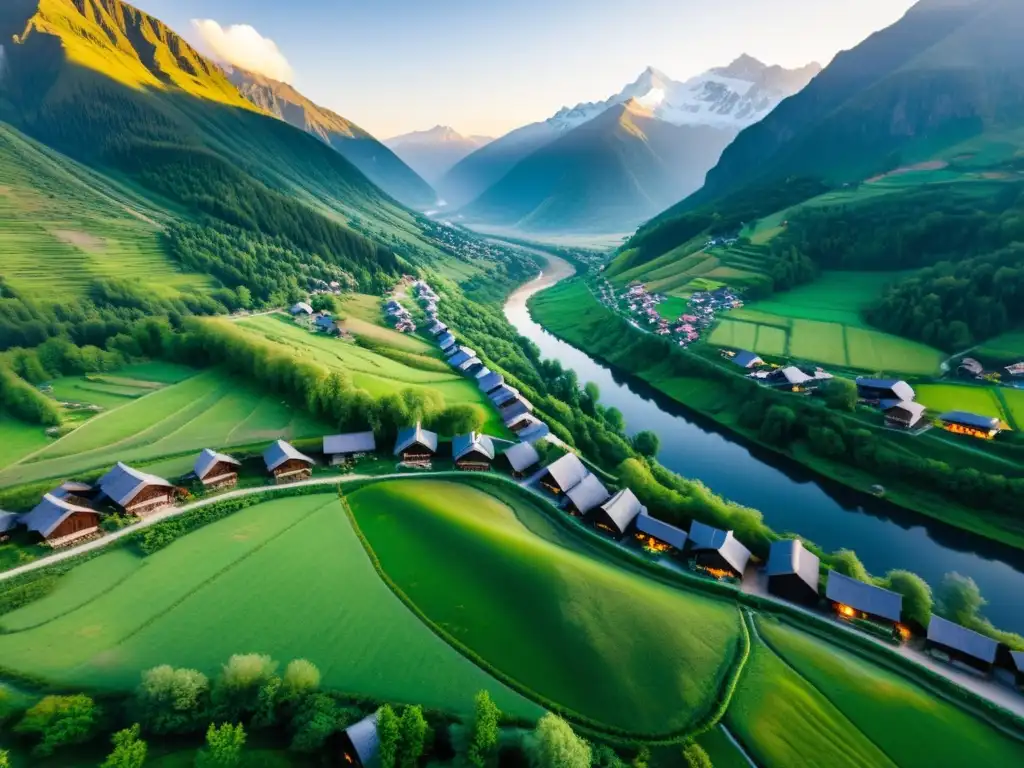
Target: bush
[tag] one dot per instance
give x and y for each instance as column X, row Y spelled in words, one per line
column 553, row 744
column 223, row 746
column 242, row 687
column 129, row 750
column 172, row 700
column 60, row 721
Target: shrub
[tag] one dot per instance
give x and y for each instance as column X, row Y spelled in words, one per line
column 553, row 744
column 241, row 688
column 129, row 750
column 483, row 740
column 223, row 746
column 172, row 700
column 60, row 721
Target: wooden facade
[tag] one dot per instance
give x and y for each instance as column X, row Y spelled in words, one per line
column 474, row 461
column 418, row 455
column 74, row 527
column 714, row 561
column 292, row 471
column 223, row 474
column 150, row 499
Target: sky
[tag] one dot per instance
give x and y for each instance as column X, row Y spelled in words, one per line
column 488, row 66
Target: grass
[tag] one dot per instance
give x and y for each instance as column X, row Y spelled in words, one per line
column 723, row 753
column 1008, row 348
column 960, row 397
column 599, row 641
column 1014, row 399
column 19, row 439
column 287, row 577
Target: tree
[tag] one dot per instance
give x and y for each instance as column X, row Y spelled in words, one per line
column 613, row 418
column 917, row 595
column 129, row 749
column 555, row 745
column 840, row 394
column 301, row 678
column 412, row 740
column 223, row 746
column 826, row 441
column 483, row 739
column 778, row 426
column 694, row 756
column 960, row 599
column 643, row 758
column 459, row 419
column 317, row 717
column 323, row 302
column 846, row 562
column 605, row 757
column 239, row 689
column 388, row 734
column 5, row 759
column 647, row 443
column 171, row 700
column 59, row 721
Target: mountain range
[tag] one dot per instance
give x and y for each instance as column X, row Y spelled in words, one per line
column 432, row 153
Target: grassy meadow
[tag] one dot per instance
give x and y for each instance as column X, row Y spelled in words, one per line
column 961, row 397
column 1008, row 348
column 600, row 641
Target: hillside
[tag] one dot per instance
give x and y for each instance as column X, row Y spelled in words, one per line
column 366, row 153
column 607, row 175
column 432, row 153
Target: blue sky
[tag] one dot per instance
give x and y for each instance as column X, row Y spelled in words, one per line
column 487, row 66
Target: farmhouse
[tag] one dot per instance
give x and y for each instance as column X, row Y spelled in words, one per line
column 530, row 429
column 286, row 463
column 137, row 493
column 793, row 572
column 60, row 522
column 503, row 394
column 521, row 457
column 719, row 553
column 343, row 448
column 970, row 368
column 962, row 645
column 446, row 342
column 518, row 406
column 461, row 356
column 473, row 452
column 791, row 378
column 8, row 521
column 75, row 492
column 885, row 391
column 216, row 470
column 972, row 424
column 746, row 359
column 853, row 599
column 585, row 496
column 359, row 743
column 658, row 536
column 324, row 322
column 905, row 415
column 564, row 474
column 490, row 382
column 469, row 366
column 302, row 308
column 617, row 514
column 416, row 446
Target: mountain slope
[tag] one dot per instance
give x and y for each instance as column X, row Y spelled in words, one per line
column 366, row 153
column 607, row 175
column 434, row 152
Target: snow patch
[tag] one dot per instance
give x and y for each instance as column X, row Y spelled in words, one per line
column 652, row 98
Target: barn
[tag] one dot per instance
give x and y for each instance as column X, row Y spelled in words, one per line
column 521, row 457
column 617, row 514
column 905, row 415
column 358, row 744
column 60, row 522
column 564, row 474
column 853, row 599
column 341, row 449
column 286, row 463
column 588, row 494
column 656, row 535
column 473, row 452
column 416, row 446
column 137, row 493
column 717, row 552
column 794, row 572
column 885, row 392
column 216, row 470
column 75, row 492
column 971, row 424
column 959, row 644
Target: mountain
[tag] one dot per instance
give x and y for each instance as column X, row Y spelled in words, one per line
column 370, row 156
column 432, row 153
column 728, row 98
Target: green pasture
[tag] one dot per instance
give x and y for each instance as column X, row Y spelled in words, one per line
column 1014, row 400
column 600, row 641
column 1008, row 348
column 287, row 577
column 18, row 439
column 834, row 297
column 960, row 397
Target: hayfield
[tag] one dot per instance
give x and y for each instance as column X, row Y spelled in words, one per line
column 287, row 577
column 600, row 641
column 960, row 397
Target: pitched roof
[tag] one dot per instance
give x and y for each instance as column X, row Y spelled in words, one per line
column 914, row 410
column 415, row 436
column 325, row 321
column 790, row 558
column 567, row 471
column 459, row 358
column 533, row 431
column 521, row 456
column 438, row 328
column 71, row 487
column 864, row 597
column 588, row 494
column 278, row 452
column 965, row 640
column 793, row 375
column 122, row 483
column 302, row 306
column 704, row 537
column 208, row 458
column 1018, row 660
column 465, row 365
column 659, row 529
column 49, row 513
column 353, row 442
column 446, row 341
column 746, row 359
column 364, row 738
column 513, row 410
column 623, row 508
column 474, row 441
column 490, row 381
column 482, row 373
column 900, row 388
column 7, row 521
column 503, row 394
column 971, row 419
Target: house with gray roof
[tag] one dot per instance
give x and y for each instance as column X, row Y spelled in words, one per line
column 437, row 328
column 287, row 463
column 617, row 514
column 564, row 474
column 793, row 572
column 503, row 394
column 461, row 356
column 905, row 415
column 521, row 457
column 469, row 366
column 302, row 308
column 359, row 743
column 325, row 322
column 59, row 522
column 962, row 645
column 416, row 446
column 446, row 341
column 473, row 452
column 884, row 392
column 514, row 413
column 657, row 535
column 853, row 599
column 586, row 496
column 718, row 552
column 136, row 492
column 341, row 449
column 216, row 470
column 489, row 382
column 530, row 429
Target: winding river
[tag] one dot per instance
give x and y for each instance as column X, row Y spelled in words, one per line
column 791, row 497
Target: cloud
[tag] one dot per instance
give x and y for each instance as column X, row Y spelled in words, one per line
column 240, row 45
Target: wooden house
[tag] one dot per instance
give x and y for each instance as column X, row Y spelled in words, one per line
column 416, row 446
column 586, row 496
column 971, row 424
column 961, row 645
column 656, row 535
column 521, row 458
column 286, row 463
column 76, row 492
column 794, row 572
column 853, row 599
column 473, row 452
column 905, row 415
column 461, row 357
column 615, row 515
column 530, row 429
column 359, row 743
column 135, row 492
column 216, row 470
column 564, row 474
column 515, row 413
column 61, row 523
column 341, row 449
column 718, row 553
column 503, row 394
column 885, row 392
column 489, row 382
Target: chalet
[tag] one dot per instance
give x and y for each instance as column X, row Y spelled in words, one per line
column 75, row 492
column 972, row 424
column 1018, row 663
column 489, row 382
column 344, row 448
column 743, row 358
column 564, row 474
column 446, row 342
column 961, row 645
column 794, row 572
column 359, row 743
column 302, row 308
column 8, row 522
column 719, row 553
column 617, row 514
column 658, row 536
column 518, row 421
column 286, row 463
column 530, row 429
column 790, row 378
column 885, row 392
column 521, row 457
column 137, row 493
column 503, row 394
column 216, row 470
column 60, row 522
column 970, row 368
column 905, row 415
column 853, row 599
column 416, row 446
column 437, row 329
column 473, row 452
column 585, row 496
